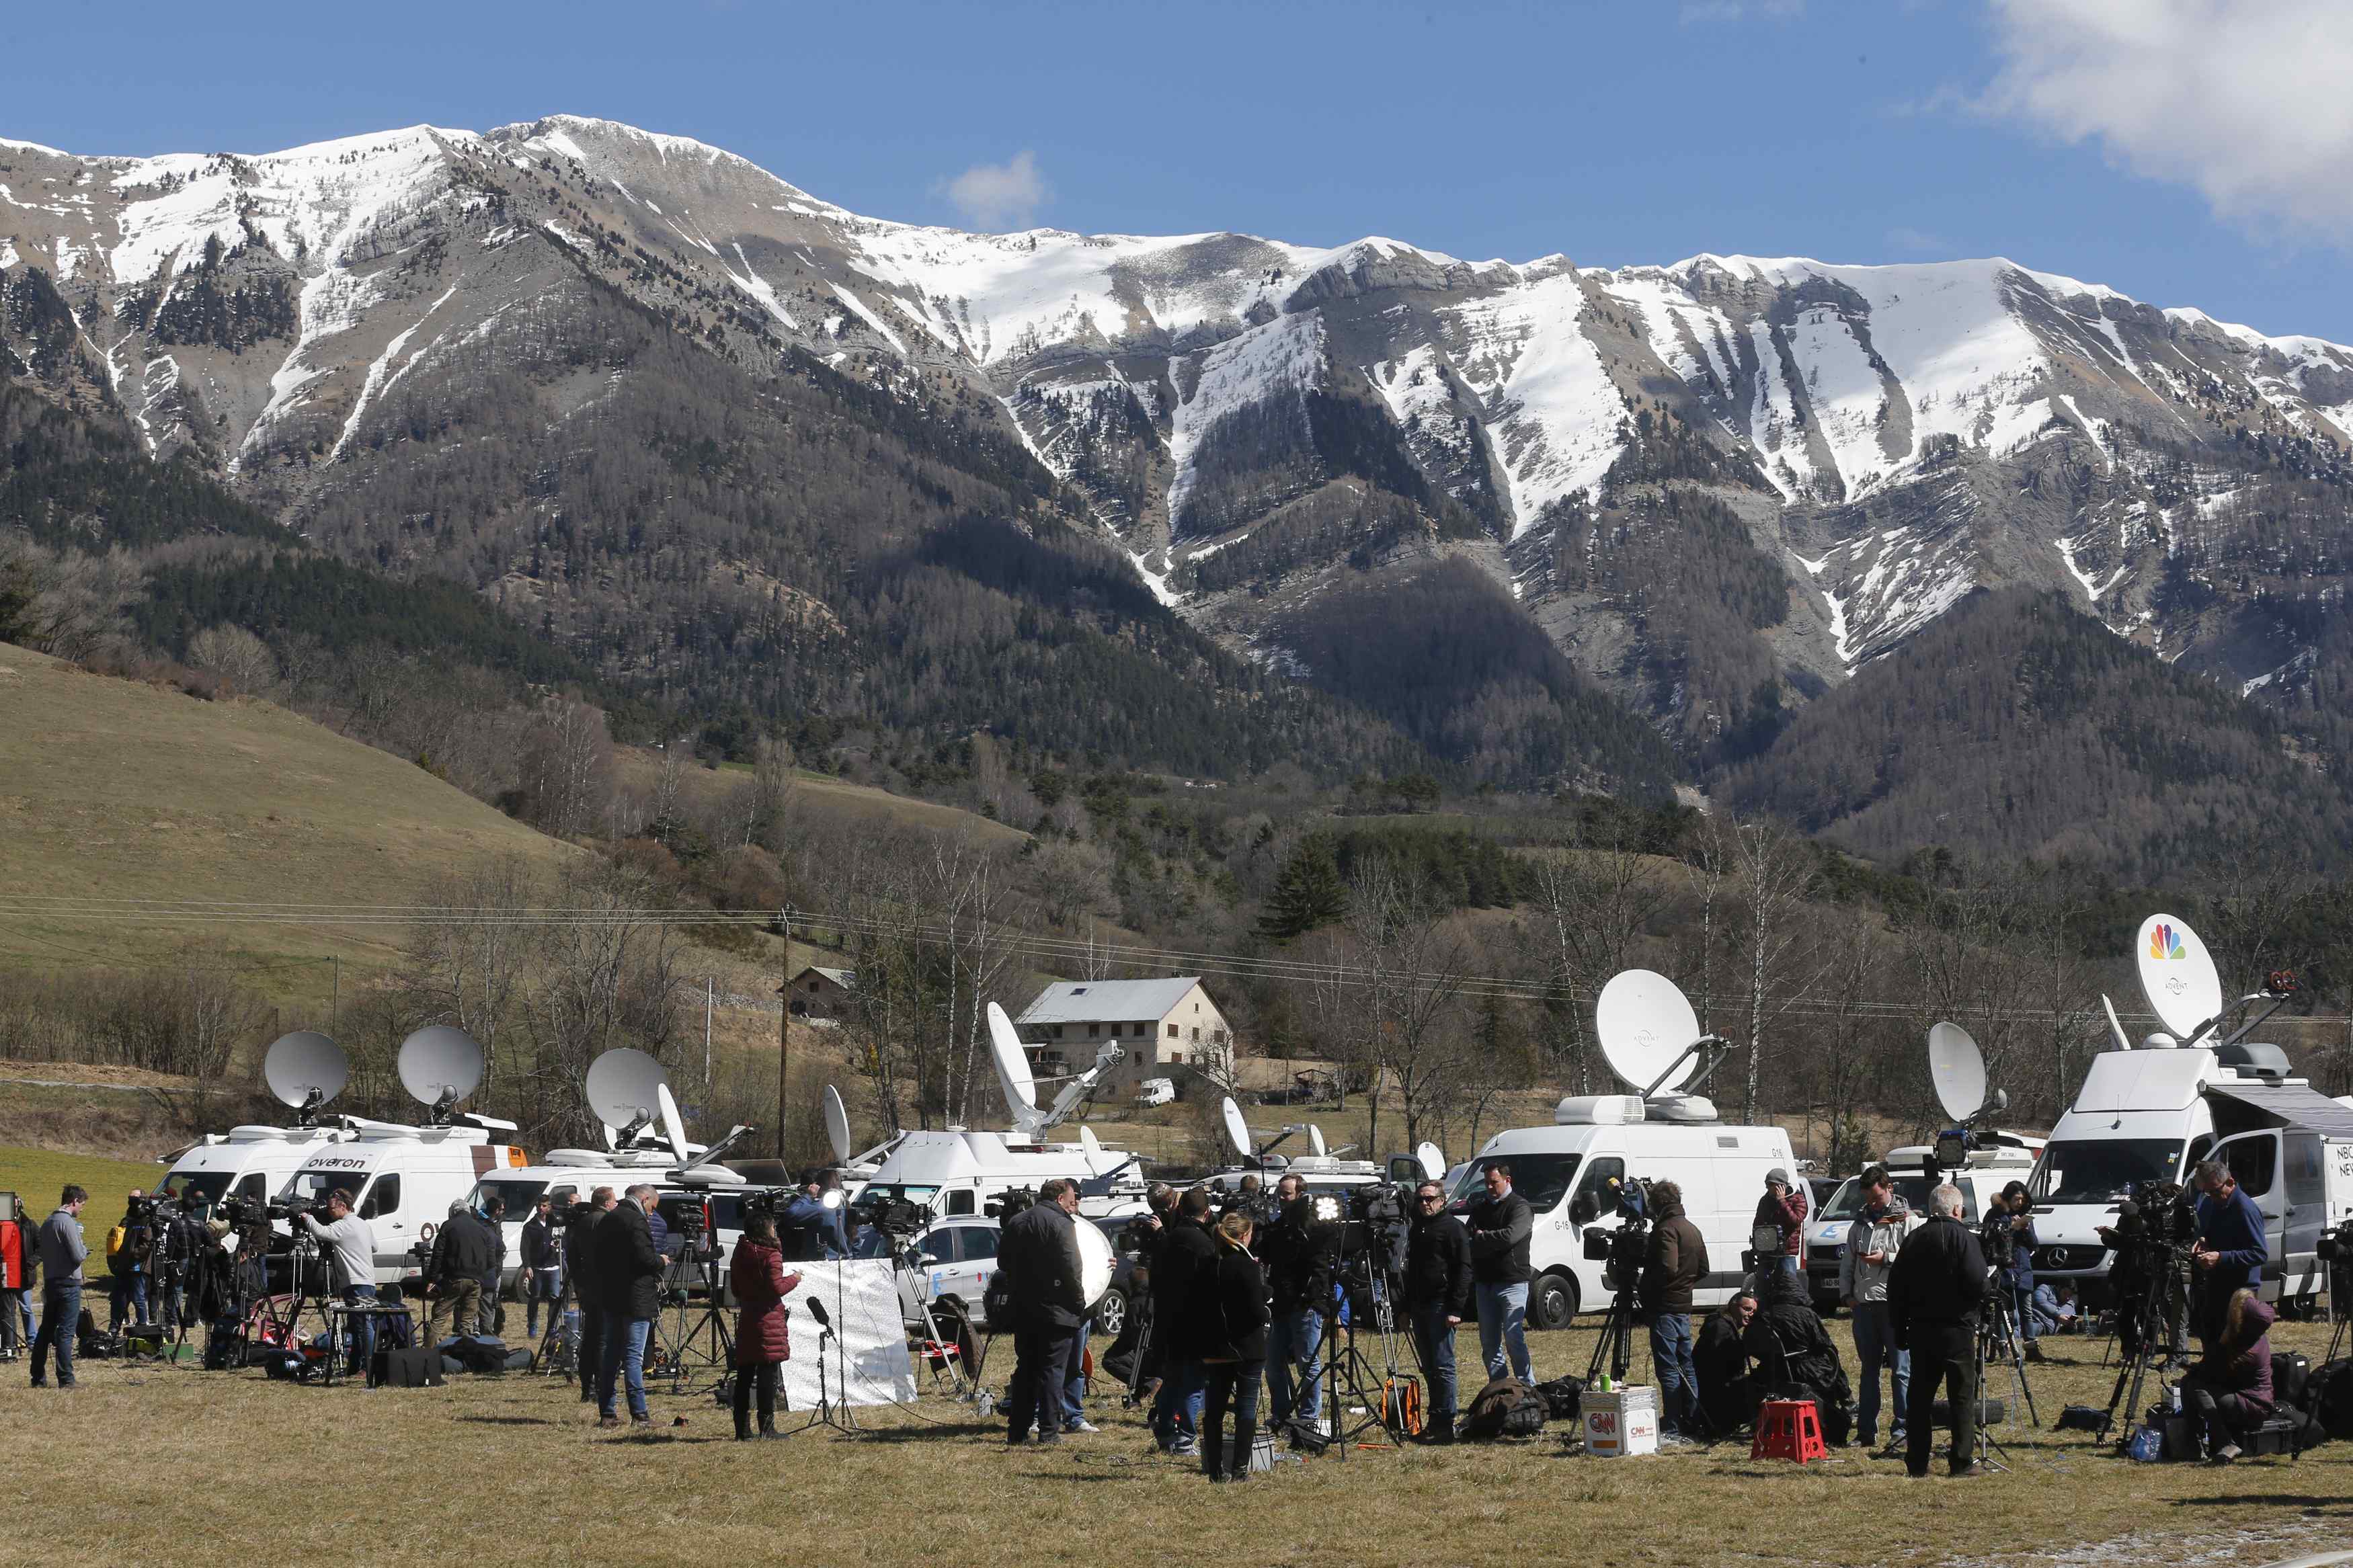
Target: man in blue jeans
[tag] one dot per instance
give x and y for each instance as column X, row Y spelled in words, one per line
column 1301, row 1254
column 349, row 1243
column 1436, row 1289
column 629, row 1285
column 1672, row 1268
column 62, row 1251
column 1501, row 1224
column 1186, row 1249
column 1872, row 1242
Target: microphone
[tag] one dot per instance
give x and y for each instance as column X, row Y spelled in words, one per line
column 816, row 1310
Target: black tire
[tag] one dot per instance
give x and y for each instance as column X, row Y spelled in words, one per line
column 1552, row 1301
column 1111, row 1312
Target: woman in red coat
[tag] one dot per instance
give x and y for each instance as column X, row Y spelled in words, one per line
column 758, row 1280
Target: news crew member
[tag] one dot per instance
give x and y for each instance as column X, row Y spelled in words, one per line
column 1935, row 1293
column 581, row 1268
column 2231, row 1249
column 2019, row 1277
column 1783, row 1208
column 1037, row 1253
column 629, row 1284
column 1727, row 1394
column 1436, row 1299
column 1186, row 1251
column 757, row 1279
column 463, row 1252
column 15, row 1238
column 1873, row 1244
column 1500, row 1224
column 2230, row 1389
column 1229, row 1307
column 349, row 1242
column 1675, row 1266
column 62, row 1251
column 1301, row 1254
column 543, row 1265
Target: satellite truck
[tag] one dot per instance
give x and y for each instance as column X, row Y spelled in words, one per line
column 304, row 1071
column 960, row 1171
column 644, row 1140
column 1571, row 1172
column 2200, row 1089
column 1321, row 1169
column 403, row 1178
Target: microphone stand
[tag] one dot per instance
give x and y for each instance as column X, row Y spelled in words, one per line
column 828, row 1412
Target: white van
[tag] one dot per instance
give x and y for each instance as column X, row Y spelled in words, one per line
column 251, row 1164
column 402, row 1178
column 2150, row 1115
column 1596, row 1138
column 962, row 1171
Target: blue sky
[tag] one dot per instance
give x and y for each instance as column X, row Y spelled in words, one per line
column 2187, row 152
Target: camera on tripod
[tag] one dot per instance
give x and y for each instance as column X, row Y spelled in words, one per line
column 2335, row 1247
column 1621, row 1249
column 1374, row 1225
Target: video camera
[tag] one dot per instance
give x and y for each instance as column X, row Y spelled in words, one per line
column 2334, row 1250
column 2156, row 1225
column 1621, row 1249
column 1374, row 1225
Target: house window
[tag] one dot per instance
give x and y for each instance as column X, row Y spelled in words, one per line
column 1093, row 1030
column 1172, row 1031
column 1057, row 1031
column 1197, row 1034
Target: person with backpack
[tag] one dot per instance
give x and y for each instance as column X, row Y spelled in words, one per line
column 462, row 1254
column 1230, row 1316
column 127, row 1246
column 1673, row 1266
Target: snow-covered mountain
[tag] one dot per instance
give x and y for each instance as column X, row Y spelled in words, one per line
column 1891, row 436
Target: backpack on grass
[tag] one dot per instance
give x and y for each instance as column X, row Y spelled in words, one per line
column 1504, row 1408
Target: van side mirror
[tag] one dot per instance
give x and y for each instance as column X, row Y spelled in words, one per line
column 1583, row 1209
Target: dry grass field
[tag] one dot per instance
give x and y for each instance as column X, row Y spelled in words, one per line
column 511, row 1467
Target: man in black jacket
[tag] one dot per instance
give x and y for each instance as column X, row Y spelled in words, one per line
column 1187, row 1249
column 1301, row 1253
column 1934, row 1292
column 463, row 1252
column 1037, row 1253
column 1727, row 1395
column 581, row 1280
column 1795, row 1356
column 1437, row 1290
column 628, row 1288
column 1675, row 1266
column 1501, row 1224
column 542, row 1279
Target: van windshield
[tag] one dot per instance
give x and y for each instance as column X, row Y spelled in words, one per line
column 314, row 1186
column 1542, row 1179
column 1911, row 1190
column 180, row 1185
column 2102, row 1170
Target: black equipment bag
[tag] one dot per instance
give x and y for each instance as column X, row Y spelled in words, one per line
column 1504, row 1408
column 483, row 1354
column 409, row 1368
column 2330, row 1390
column 1564, row 1398
column 2291, row 1376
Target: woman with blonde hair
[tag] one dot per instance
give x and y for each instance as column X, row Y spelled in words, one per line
column 1228, row 1316
column 2230, row 1389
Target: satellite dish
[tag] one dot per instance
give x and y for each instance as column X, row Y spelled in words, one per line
column 440, row 1066
column 1957, row 1068
column 1096, row 1264
column 2113, row 1028
column 1432, row 1159
column 1088, row 1141
column 624, row 1090
column 1237, row 1130
column 673, row 1128
column 2178, row 976
column 1645, row 1022
column 837, row 1125
column 305, row 1070
column 1012, row 1067
column 1316, row 1141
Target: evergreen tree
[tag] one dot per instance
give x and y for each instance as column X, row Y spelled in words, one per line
column 1307, row 891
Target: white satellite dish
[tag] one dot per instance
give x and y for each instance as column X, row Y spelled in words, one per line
column 2114, row 1027
column 837, row 1125
column 673, row 1126
column 1237, row 1130
column 1645, row 1022
column 1088, row 1141
column 305, row 1070
column 1013, row 1074
column 623, row 1088
column 1096, row 1263
column 1956, row 1068
column 1316, row 1141
column 2178, row 976
column 1432, row 1159
column 440, row 1066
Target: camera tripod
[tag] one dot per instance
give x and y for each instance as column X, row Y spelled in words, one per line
column 557, row 1352
column 2157, row 1315
column 907, row 1258
column 1345, row 1368
column 682, row 1336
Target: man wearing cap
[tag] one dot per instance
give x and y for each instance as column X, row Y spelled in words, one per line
column 462, row 1254
column 1783, row 1208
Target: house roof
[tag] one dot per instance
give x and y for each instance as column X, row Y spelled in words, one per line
column 845, row 978
column 1091, row 1000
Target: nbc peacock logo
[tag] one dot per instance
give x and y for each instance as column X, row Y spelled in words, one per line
column 2164, row 942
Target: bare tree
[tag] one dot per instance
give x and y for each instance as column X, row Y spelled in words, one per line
column 1776, row 870
column 1414, row 966
column 1594, row 900
column 237, row 656
column 566, row 767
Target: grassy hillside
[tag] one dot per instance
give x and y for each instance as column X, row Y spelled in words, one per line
column 38, row 1175
column 116, row 789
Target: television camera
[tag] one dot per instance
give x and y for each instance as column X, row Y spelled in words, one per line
column 1621, row 1248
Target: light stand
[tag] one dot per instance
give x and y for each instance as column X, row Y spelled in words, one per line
column 1344, row 1366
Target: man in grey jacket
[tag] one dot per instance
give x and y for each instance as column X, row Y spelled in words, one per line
column 350, row 1243
column 62, row 1250
column 1873, row 1240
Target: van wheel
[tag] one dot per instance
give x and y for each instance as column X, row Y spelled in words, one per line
column 1111, row 1313
column 1552, row 1301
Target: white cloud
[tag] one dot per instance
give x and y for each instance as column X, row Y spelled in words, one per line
column 2245, row 99
column 999, row 196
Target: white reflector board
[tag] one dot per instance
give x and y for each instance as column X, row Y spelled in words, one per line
column 837, row 1125
column 302, row 1061
column 1956, row 1068
column 1096, row 1263
column 2178, row 976
column 1432, row 1159
column 867, row 1362
column 440, row 1060
column 1645, row 1022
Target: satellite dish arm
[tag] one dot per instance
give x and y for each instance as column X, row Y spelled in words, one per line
column 1077, row 1089
column 1710, row 1048
column 740, row 1132
column 1098, row 1186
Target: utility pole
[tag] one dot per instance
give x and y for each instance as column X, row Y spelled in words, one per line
column 783, row 1024
column 710, row 994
